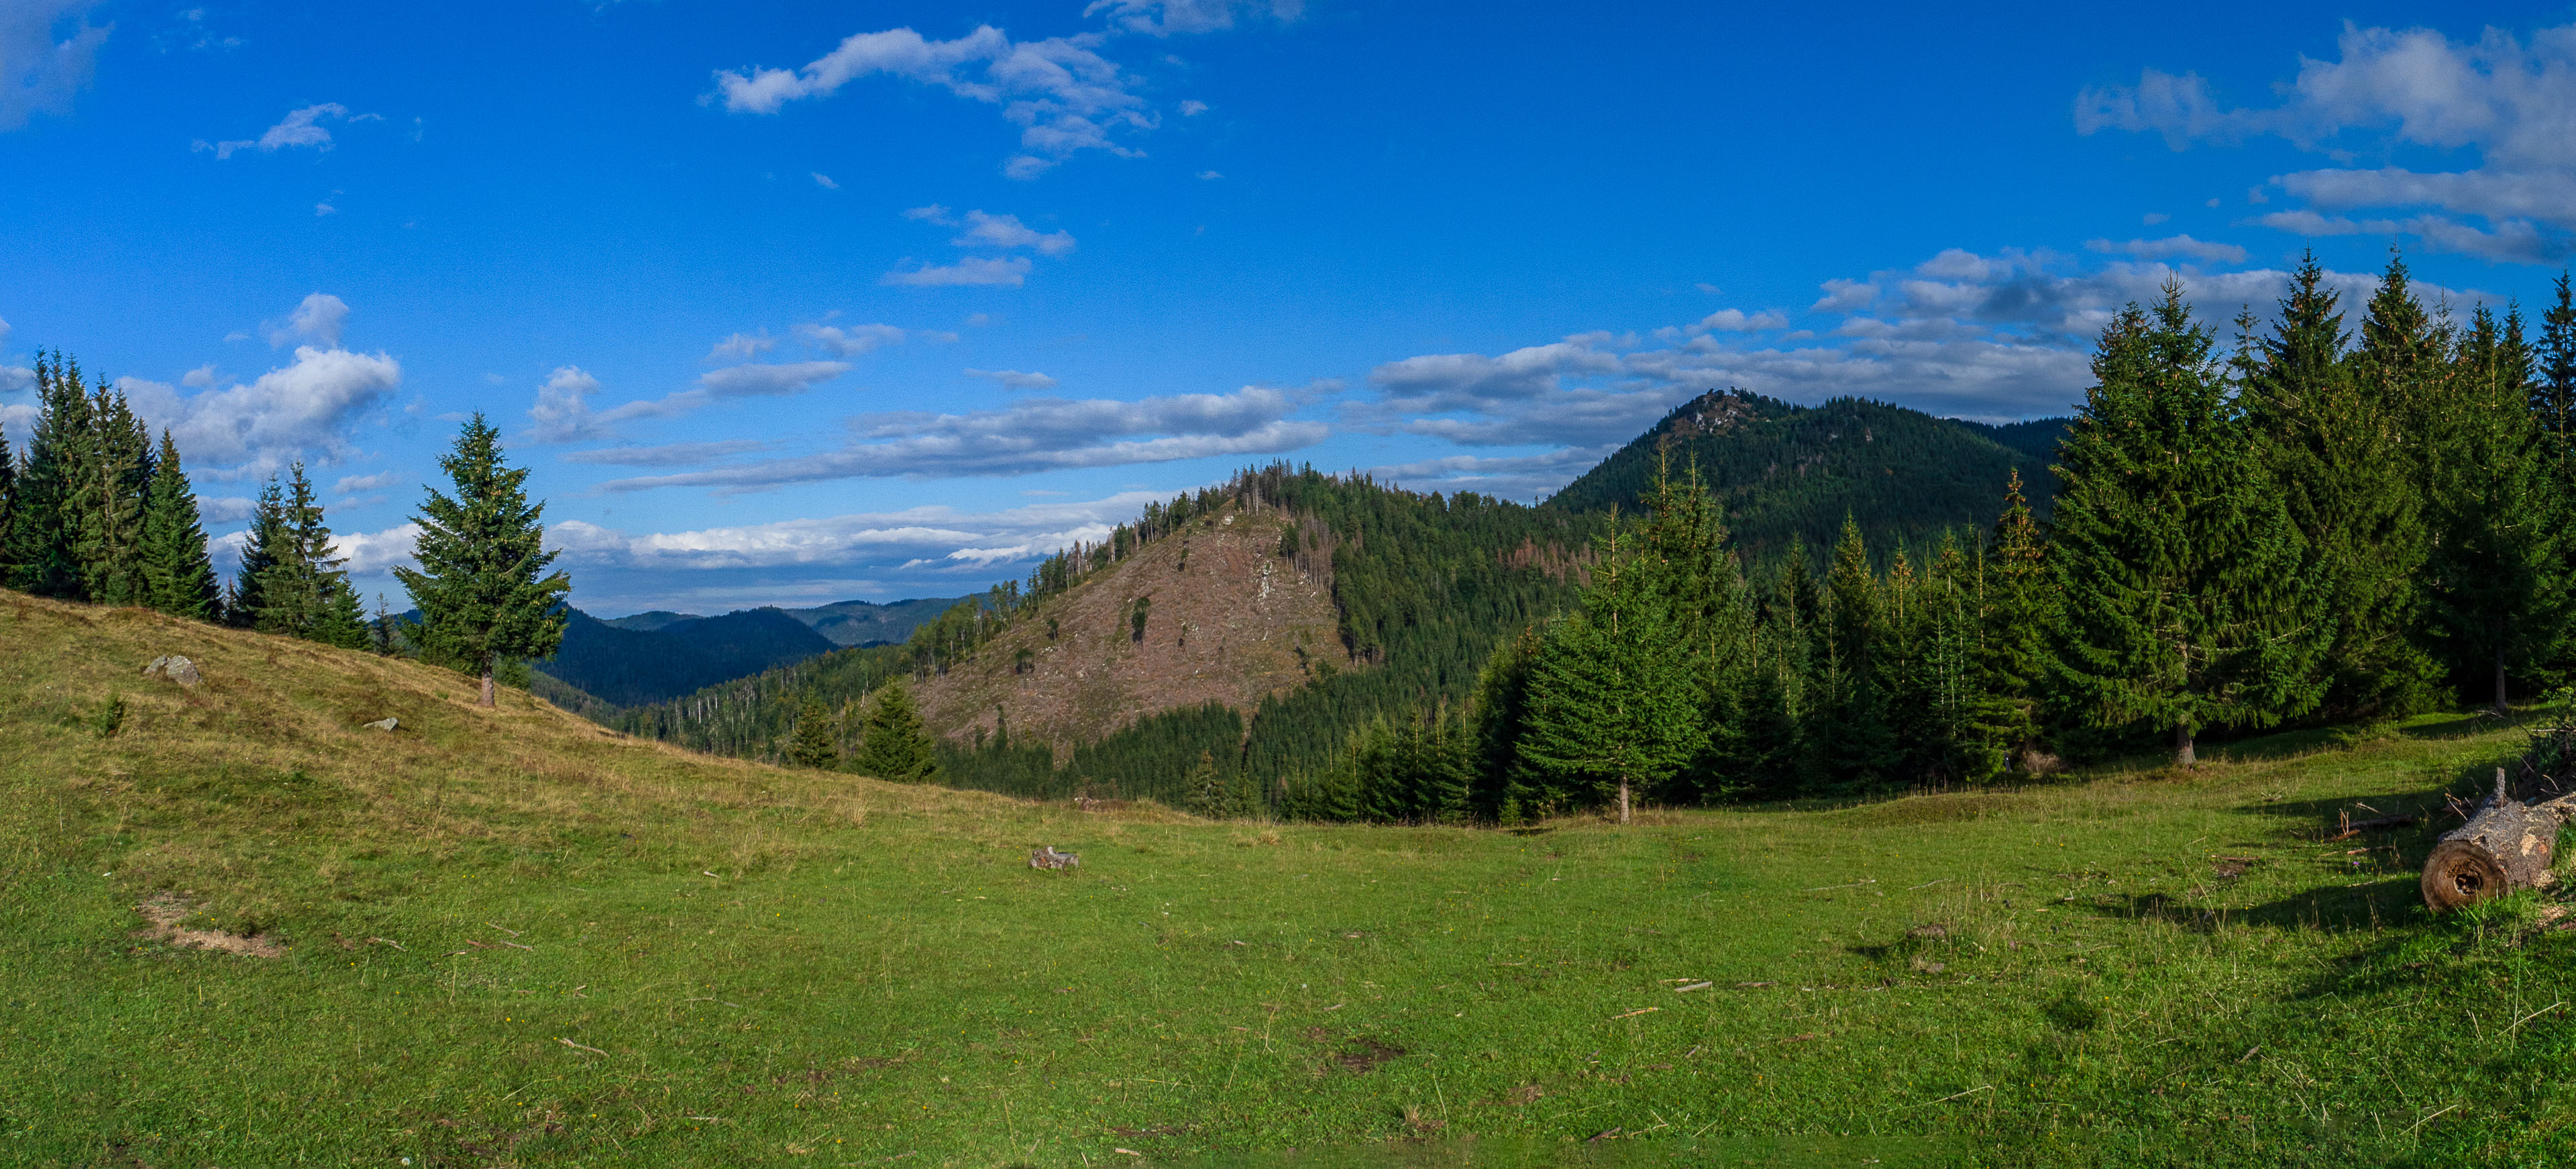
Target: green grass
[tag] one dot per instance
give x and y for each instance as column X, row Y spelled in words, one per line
column 762, row 966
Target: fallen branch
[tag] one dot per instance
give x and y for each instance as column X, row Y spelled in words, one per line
column 584, row 1046
column 1637, row 1012
column 2534, row 1015
column 1692, row 987
column 2352, row 829
column 388, row 942
column 505, row 929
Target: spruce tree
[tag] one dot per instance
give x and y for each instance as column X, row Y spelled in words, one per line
column 8, row 505
column 816, row 742
column 1499, row 704
column 2019, row 608
column 41, row 524
column 2178, row 566
column 261, row 542
column 1612, row 705
column 304, row 592
column 1685, row 536
column 1847, row 700
column 2347, row 458
column 895, row 747
column 109, row 495
column 478, row 586
column 2553, row 388
column 1205, row 791
column 179, row 576
column 2501, row 596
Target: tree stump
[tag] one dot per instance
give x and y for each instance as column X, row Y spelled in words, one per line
column 1048, row 858
column 2506, row 845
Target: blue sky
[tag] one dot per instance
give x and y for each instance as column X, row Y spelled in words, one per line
column 791, row 303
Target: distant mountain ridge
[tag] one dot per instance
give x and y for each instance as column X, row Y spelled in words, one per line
column 1787, row 472
column 843, row 623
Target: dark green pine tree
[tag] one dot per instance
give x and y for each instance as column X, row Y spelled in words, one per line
column 2500, row 565
column 1685, row 536
column 817, row 739
column 109, row 495
column 1967, row 729
column 179, row 577
column 261, row 542
column 2347, row 458
column 2018, row 611
column 2178, row 567
column 8, row 505
column 481, row 553
column 1612, row 704
column 1498, row 706
column 895, row 747
column 1776, row 701
column 1847, row 704
column 2553, row 386
column 1206, row 791
column 42, row 529
column 305, row 593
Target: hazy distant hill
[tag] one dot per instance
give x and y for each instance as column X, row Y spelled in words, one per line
column 664, row 659
column 843, row 623
column 1784, row 470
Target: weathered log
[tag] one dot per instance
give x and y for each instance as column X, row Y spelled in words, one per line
column 2505, row 845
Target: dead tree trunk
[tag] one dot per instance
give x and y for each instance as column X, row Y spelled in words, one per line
column 2506, row 845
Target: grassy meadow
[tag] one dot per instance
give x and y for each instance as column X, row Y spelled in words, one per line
column 512, row 938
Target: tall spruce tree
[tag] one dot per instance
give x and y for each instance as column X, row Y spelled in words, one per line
column 109, row 495
column 1847, row 698
column 2178, row 566
column 2019, row 608
column 8, row 505
column 2345, row 451
column 2553, row 385
column 261, row 543
column 1612, row 703
column 305, row 592
column 178, row 575
column 478, row 586
column 1704, row 591
column 2500, row 592
column 42, row 528
column 894, row 746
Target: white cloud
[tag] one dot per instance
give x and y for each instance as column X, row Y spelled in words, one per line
column 1165, row 17
column 2508, row 100
column 302, row 127
column 231, row 509
column 739, row 381
column 1009, row 271
column 1193, row 107
column 2153, row 218
column 677, row 454
column 370, row 553
column 825, row 181
column 1006, row 231
column 1064, row 96
column 353, row 484
column 849, row 340
column 322, row 209
column 320, row 317
column 300, row 410
column 48, row 53
column 1738, row 321
column 1209, row 175
column 562, row 412
column 2180, row 245
column 200, row 377
column 1452, row 381
column 1012, row 379
column 742, row 347
column 1042, row 434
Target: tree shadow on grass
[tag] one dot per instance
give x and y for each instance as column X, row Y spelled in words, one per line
column 2377, row 903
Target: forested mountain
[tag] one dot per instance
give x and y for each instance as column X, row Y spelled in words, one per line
column 1785, row 472
column 844, row 623
column 628, row 666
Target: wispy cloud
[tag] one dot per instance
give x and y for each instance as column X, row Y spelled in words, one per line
column 677, row 454
column 304, row 127
column 1012, row 379
column 1007, row 271
column 2179, row 245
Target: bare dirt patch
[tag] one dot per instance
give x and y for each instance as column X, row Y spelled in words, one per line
column 166, row 910
column 1363, row 1054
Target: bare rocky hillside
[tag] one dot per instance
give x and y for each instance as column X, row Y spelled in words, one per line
column 1227, row 619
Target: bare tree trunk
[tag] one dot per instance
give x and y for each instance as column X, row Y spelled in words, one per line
column 2502, row 710
column 1623, row 799
column 2183, row 753
column 487, row 686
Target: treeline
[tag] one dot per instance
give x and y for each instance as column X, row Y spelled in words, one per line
column 2317, row 525
column 95, row 510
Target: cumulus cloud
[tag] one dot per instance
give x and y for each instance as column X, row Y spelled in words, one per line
column 303, row 409
column 562, row 412
column 1007, row 271
column 2507, row 99
column 1044, row 434
column 849, row 340
column 353, row 484
column 48, row 53
column 987, row 230
column 1061, row 92
column 229, row 509
column 369, row 553
column 320, row 317
column 304, row 127
column 1451, row 381
column 742, row 347
column 1012, row 379
column 1730, row 320
column 1162, row 18
column 1193, row 107
column 2180, row 245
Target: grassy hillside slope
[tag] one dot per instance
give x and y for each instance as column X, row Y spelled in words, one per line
column 513, row 938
